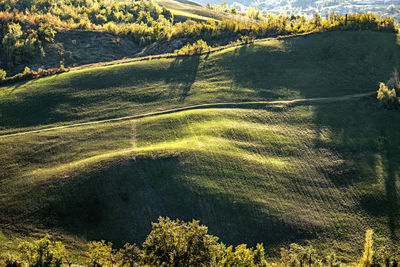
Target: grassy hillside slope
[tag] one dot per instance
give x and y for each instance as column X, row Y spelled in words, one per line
column 269, row 173
column 275, row 175
column 319, row 65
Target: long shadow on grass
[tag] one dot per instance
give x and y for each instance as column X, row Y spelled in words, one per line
column 320, row 65
column 118, row 202
column 368, row 139
column 68, row 96
column 181, row 82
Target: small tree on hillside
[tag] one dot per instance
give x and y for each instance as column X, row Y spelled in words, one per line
column 177, row 243
column 130, row 255
column 3, row 75
column 387, row 97
column 43, row 252
column 100, row 254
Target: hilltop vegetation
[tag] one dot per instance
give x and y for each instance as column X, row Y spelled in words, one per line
column 27, row 25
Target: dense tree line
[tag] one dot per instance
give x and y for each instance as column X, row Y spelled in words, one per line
column 20, row 41
column 178, row 243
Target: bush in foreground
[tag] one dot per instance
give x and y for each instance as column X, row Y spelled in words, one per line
column 179, row 243
column 43, row 252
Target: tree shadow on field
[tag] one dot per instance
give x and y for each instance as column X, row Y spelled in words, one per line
column 182, row 74
column 118, row 203
column 320, row 65
column 368, row 140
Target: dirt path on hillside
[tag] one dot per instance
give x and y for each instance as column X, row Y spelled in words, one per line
column 267, row 104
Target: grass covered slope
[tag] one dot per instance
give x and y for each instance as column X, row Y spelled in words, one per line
column 274, row 175
column 278, row 173
column 320, row 65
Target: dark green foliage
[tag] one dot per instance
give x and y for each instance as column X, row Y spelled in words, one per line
column 129, row 255
column 20, row 40
column 167, row 14
column 100, row 254
column 46, row 32
column 10, row 262
column 242, row 256
column 177, row 243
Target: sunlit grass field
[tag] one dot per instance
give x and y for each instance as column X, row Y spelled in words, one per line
column 320, row 65
column 318, row 173
column 281, row 175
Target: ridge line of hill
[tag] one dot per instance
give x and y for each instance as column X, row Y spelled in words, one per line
column 200, row 106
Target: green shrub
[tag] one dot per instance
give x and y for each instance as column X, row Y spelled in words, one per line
column 46, row 32
column 129, row 255
column 177, row 243
column 3, row 75
column 247, row 39
column 387, row 97
column 198, row 47
column 43, row 252
column 100, row 254
column 243, row 256
column 101, row 19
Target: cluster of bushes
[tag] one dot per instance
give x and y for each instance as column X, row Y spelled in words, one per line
column 29, row 74
column 147, row 22
column 95, row 11
column 22, row 33
column 178, row 243
column 198, row 47
column 21, row 41
column 389, row 94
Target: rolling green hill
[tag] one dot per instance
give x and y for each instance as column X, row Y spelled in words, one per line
column 319, row 65
column 271, row 172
